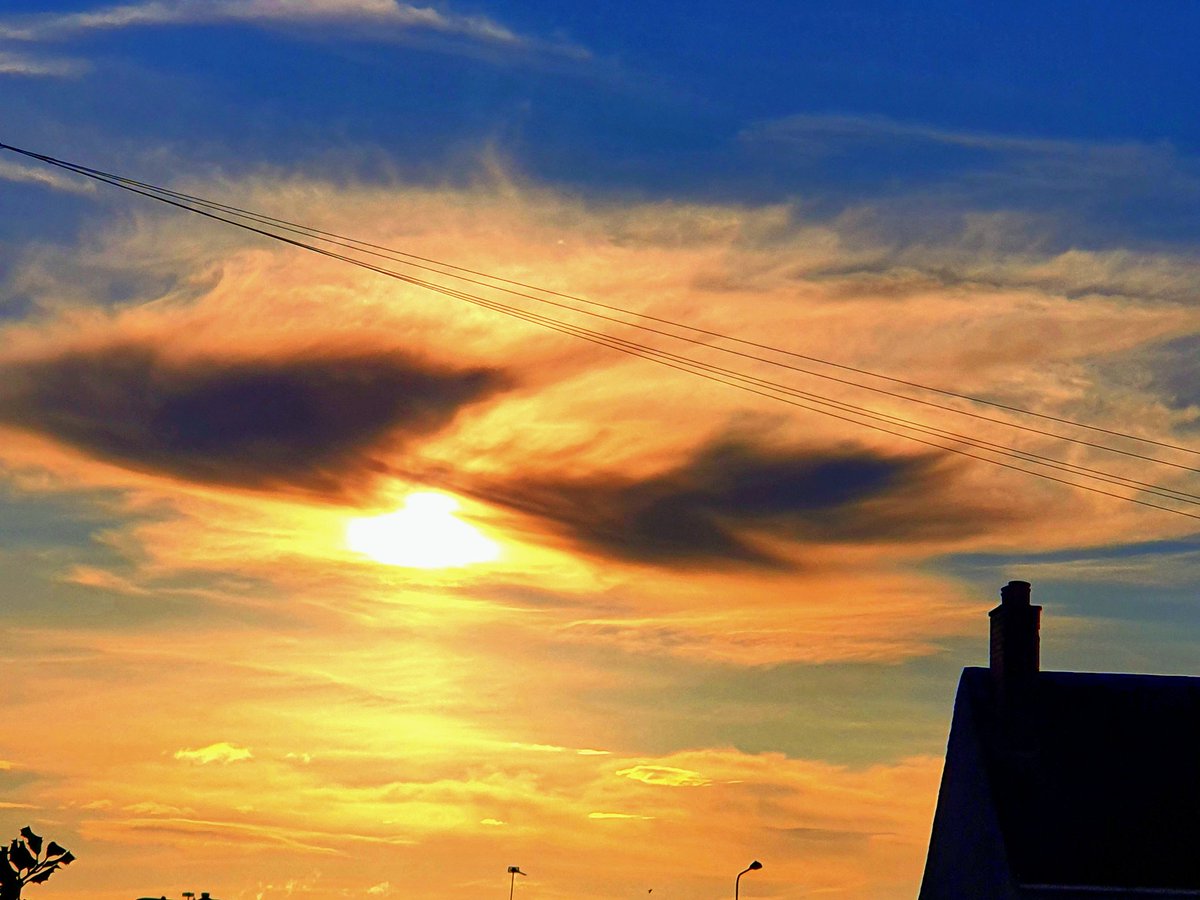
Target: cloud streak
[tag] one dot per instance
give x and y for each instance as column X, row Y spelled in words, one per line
column 221, row 752
column 39, row 67
column 825, row 132
column 667, row 776
column 731, row 499
column 377, row 19
column 1078, row 191
column 308, row 422
column 10, row 171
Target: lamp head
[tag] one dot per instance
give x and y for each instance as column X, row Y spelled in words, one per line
column 756, row 865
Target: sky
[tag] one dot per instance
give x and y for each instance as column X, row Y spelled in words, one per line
column 318, row 583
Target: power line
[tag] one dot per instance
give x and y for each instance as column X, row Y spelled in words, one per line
column 846, row 412
column 402, row 256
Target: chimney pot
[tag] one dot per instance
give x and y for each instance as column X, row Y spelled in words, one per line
column 1015, row 642
column 1016, row 593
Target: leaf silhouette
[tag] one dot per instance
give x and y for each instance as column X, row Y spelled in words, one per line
column 33, row 840
column 19, row 856
column 42, row 875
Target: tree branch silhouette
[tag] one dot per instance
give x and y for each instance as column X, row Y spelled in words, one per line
column 26, row 861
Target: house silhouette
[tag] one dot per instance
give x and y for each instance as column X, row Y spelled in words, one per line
column 1065, row 785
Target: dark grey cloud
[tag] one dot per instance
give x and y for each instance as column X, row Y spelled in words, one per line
column 1173, row 369
column 728, row 502
column 304, row 421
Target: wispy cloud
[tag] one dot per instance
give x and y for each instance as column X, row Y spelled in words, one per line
column 266, row 836
column 222, row 752
column 1099, row 191
column 552, row 748
column 823, row 133
column 154, row 808
column 667, row 776
column 10, row 171
column 33, row 66
column 181, row 391
column 394, row 667
column 381, row 19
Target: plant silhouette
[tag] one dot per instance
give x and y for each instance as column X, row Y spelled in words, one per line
column 25, row 861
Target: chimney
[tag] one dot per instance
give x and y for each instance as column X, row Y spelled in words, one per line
column 1015, row 642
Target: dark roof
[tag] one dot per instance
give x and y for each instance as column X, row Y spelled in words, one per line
column 1096, row 778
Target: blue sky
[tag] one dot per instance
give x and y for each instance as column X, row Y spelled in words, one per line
column 650, row 98
column 718, row 627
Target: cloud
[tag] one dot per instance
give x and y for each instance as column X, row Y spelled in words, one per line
column 616, row 815
column 1103, row 191
column 730, row 495
column 10, row 171
column 377, row 19
column 13, row 776
column 667, row 776
column 222, row 752
column 101, row 579
column 823, row 133
column 154, row 808
column 38, row 66
column 471, row 690
column 302, row 421
column 1174, row 369
column 244, row 835
column 553, row 748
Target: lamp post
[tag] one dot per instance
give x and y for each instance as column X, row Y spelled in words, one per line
column 737, row 881
column 513, row 872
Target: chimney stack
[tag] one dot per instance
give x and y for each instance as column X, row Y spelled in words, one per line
column 1014, row 641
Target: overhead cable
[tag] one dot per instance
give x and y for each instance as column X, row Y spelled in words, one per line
column 862, row 416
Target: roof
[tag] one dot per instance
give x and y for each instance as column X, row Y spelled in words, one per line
column 1098, row 785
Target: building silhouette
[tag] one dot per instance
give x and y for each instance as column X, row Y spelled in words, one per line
column 1065, row 785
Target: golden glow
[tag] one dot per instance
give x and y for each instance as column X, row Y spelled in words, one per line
column 424, row 534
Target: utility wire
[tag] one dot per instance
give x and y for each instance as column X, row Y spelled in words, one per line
column 397, row 256
column 350, row 243
column 741, row 381
column 402, row 257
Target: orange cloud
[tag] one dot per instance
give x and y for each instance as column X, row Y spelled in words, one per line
column 665, row 775
column 222, row 752
column 448, row 723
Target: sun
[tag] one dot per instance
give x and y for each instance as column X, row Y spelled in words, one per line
column 423, row 534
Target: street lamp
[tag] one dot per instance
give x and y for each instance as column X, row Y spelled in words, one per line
column 736, row 882
column 513, row 872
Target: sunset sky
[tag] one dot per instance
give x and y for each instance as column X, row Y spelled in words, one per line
column 316, row 583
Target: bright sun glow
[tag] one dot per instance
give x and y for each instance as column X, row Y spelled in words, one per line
column 424, row 534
